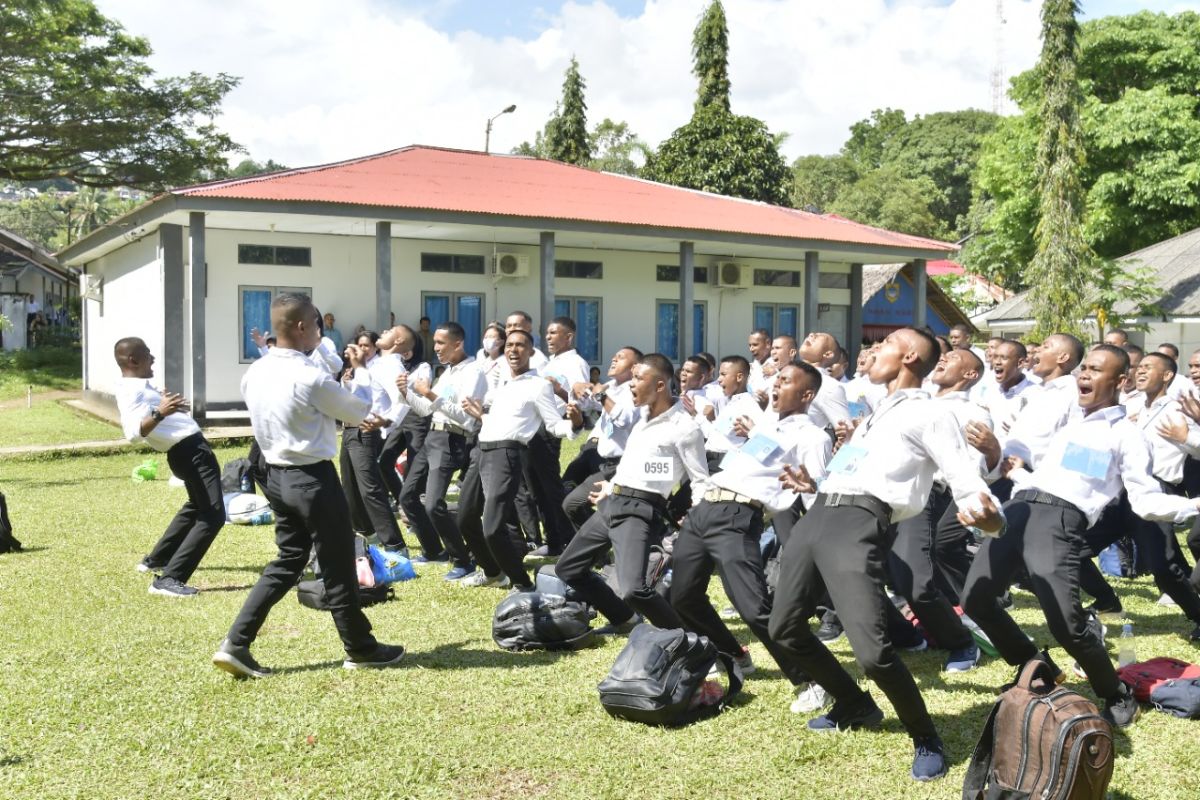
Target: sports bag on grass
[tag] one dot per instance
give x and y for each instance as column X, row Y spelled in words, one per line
column 311, row 594
column 1041, row 741
column 1144, row 676
column 536, row 621
column 659, row 678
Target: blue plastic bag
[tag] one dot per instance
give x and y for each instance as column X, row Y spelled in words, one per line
column 389, row 567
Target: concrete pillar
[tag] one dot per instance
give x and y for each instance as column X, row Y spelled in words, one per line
column 383, row 274
column 546, row 279
column 687, row 294
column 812, row 293
column 199, row 288
column 170, row 241
column 856, row 313
column 920, row 280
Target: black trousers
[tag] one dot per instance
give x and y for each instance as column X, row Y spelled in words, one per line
column 546, row 483
column 444, row 454
column 365, row 491
column 724, row 537
column 1048, row 541
column 583, row 465
column 389, row 453
column 630, row 526
column 310, row 511
column 913, row 565
column 501, row 471
column 1156, row 543
column 576, row 505
column 842, row 550
column 199, row 520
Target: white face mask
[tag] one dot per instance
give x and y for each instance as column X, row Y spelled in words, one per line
column 490, row 344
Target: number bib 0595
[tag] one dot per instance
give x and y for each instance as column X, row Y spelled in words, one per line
column 658, row 468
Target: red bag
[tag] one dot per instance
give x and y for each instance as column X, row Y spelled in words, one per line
column 1144, row 676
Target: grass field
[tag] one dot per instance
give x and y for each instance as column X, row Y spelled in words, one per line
column 49, row 422
column 44, row 368
column 107, row 692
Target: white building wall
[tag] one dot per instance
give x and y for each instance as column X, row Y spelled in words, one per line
column 132, row 305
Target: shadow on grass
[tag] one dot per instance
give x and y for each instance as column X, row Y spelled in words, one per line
column 26, row 549
column 11, row 760
column 455, row 655
column 307, row 667
column 239, row 588
column 255, row 570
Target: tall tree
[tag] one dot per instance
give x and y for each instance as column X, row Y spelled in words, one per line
column 817, row 180
column 710, row 58
column 870, row 137
column 717, row 150
column 1141, row 126
column 78, row 100
column 566, row 133
column 887, row 199
column 615, row 148
column 1060, row 268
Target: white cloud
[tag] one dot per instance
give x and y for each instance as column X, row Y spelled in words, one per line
column 323, row 81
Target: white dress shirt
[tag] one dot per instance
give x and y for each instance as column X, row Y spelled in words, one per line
column 458, row 382
column 567, row 368
column 517, row 409
column 757, row 381
column 862, row 396
column 1168, row 456
column 829, row 407
column 1005, row 404
column 421, row 371
column 895, row 453
column 1047, row 409
column 754, row 468
column 384, row 371
column 1182, row 384
column 718, row 433
column 663, row 451
column 327, row 356
column 965, row 412
column 293, row 404
column 1091, row 458
column 613, row 427
column 136, row 398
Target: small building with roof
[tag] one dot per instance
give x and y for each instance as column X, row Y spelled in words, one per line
column 468, row 237
column 29, row 270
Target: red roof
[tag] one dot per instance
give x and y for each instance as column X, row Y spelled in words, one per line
column 944, row 268
column 439, row 179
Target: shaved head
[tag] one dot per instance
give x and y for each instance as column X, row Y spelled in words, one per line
column 925, row 346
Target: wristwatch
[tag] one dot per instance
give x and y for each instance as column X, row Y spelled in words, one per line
column 156, row 414
column 600, row 395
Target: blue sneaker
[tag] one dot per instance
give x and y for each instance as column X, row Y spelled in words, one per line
column 929, row 762
column 963, row 659
column 859, row 713
column 458, row 573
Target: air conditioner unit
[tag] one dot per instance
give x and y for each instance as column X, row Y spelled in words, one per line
column 731, row 275
column 90, row 286
column 510, row 265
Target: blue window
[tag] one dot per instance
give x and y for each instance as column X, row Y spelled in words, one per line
column 465, row 309
column 666, row 330
column 254, row 311
column 779, row 319
column 586, row 312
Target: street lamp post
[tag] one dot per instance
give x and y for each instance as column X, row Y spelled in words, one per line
column 487, row 137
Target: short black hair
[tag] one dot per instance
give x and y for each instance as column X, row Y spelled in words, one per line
column 454, row 329
column 930, row 358
column 564, row 322
column 711, row 359
column 961, row 327
column 1022, row 353
column 1120, row 331
column 1131, row 348
column 1075, row 348
column 372, row 335
column 1172, row 364
column 424, row 319
column 661, row 365
column 1119, row 352
column 523, row 315
column 812, row 373
column 638, row 354
column 977, row 361
column 1174, row 349
column 701, row 362
column 739, row 362
column 763, row 332
column 519, row 332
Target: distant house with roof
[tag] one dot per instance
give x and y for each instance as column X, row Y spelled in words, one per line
column 469, row 237
column 889, row 294
column 1176, row 266
column 29, row 270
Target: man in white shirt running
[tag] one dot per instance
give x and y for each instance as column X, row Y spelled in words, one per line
column 160, row 420
column 293, row 406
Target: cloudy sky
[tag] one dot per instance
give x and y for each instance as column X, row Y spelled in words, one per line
column 325, row 80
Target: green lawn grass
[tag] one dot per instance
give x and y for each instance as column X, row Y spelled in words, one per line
column 107, row 692
column 51, row 423
column 43, row 368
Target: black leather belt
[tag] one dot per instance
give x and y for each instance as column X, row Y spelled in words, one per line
column 654, row 498
column 449, row 427
column 1044, row 498
column 503, row 444
column 864, row 501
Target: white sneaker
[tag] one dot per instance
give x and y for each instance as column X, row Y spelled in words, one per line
column 744, row 663
column 479, row 578
column 810, row 697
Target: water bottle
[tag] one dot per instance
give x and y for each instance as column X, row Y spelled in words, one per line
column 247, row 484
column 1126, row 652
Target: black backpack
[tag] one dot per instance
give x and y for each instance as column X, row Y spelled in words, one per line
column 236, row 476
column 311, row 594
column 657, row 675
column 536, row 621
